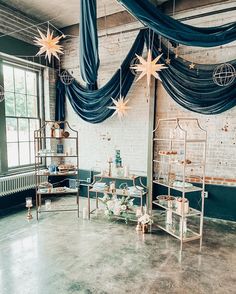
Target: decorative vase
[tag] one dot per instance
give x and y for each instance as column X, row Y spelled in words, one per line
column 145, row 228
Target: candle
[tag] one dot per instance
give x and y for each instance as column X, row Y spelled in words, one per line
column 139, row 212
column 112, row 186
column 48, row 204
column 85, row 213
column 126, row 171
column 29, row 202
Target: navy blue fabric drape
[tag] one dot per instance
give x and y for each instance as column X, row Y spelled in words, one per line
column 176, row 31
column 89, row 59
column 60, row 102
column 195, row 89
column 91, row 105
column 192, row 89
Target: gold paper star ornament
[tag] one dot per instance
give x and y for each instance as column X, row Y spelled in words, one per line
column 48, row 44
column 120, row 107
column 149, row 67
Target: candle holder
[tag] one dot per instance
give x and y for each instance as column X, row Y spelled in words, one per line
column 29, row 204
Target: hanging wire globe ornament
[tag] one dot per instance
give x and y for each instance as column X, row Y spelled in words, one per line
column 66, row 78
column 133, row 63
column 224, row 74
column 1, row 93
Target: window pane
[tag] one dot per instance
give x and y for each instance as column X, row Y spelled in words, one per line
column 19, row 80
column 32, row 106
column 31, row 152
column 20, row 105
column 34, row 125
column 12, row 154
column 23, row 130
column 31, row 83
column 11, row 127
column 9, row 103
column 24, row 153
column 8, row 78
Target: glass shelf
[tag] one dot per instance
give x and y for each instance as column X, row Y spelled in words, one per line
column 192, row 211
column 55, row 191
column 55, row 155
column 133, row 177
column 69, row 173
column 118, row 192
column 59, row 138
column 193, row 164
column 190, row 235
column 180, row 189
column 181, row 140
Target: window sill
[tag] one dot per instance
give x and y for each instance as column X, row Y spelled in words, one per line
column 20, row 170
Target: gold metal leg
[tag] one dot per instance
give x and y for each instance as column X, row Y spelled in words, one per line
column 88, row 204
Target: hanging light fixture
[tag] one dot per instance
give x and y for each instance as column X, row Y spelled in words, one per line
column 49, row 45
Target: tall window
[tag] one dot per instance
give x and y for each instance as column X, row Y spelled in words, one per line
column 22, row 113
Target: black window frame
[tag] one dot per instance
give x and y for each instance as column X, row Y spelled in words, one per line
column 27, row 66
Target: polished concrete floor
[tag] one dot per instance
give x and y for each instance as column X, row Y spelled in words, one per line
column 61, row 254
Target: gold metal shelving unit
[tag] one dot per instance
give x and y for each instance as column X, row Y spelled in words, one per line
column 179, row 159
column 118, row 192
column 42, row 141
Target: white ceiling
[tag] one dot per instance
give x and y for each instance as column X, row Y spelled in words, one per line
column 65, row 12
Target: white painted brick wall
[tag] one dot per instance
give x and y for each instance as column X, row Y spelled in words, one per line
column 130, row 134
column 221, row 128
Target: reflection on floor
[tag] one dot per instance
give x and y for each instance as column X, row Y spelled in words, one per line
column 61, row 254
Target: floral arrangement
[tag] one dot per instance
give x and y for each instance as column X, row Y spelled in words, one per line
column 145, row 219
column 117, row 206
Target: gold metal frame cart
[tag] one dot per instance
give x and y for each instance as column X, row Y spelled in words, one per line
column 56, row 155
column 179, row 157
column 134, row 179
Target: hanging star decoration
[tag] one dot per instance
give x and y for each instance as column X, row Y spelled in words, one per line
column 120, row 107
column 192, row 65
column 48, row 44
column 149, row 67
column 168, row 60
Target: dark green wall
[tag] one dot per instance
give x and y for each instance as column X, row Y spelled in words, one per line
column 221, row 201
column 15, row 47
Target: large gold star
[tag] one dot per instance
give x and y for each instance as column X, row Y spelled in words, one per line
column 48, row 44
column 120, row 107
column 149, row 67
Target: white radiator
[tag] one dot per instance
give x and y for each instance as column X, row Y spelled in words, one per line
column 17, row 183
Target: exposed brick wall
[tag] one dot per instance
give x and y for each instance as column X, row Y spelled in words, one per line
column 98, row 142
column 221, row 128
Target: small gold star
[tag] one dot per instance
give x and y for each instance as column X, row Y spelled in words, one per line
column 167, row 60
column 148, row 67
column 120, row 107
column 160, row 49
column 192, row 65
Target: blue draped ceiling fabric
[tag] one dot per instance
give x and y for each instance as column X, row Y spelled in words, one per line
column 91, row 105
column 89, row 58
column 192, row 89
column 176, row 31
